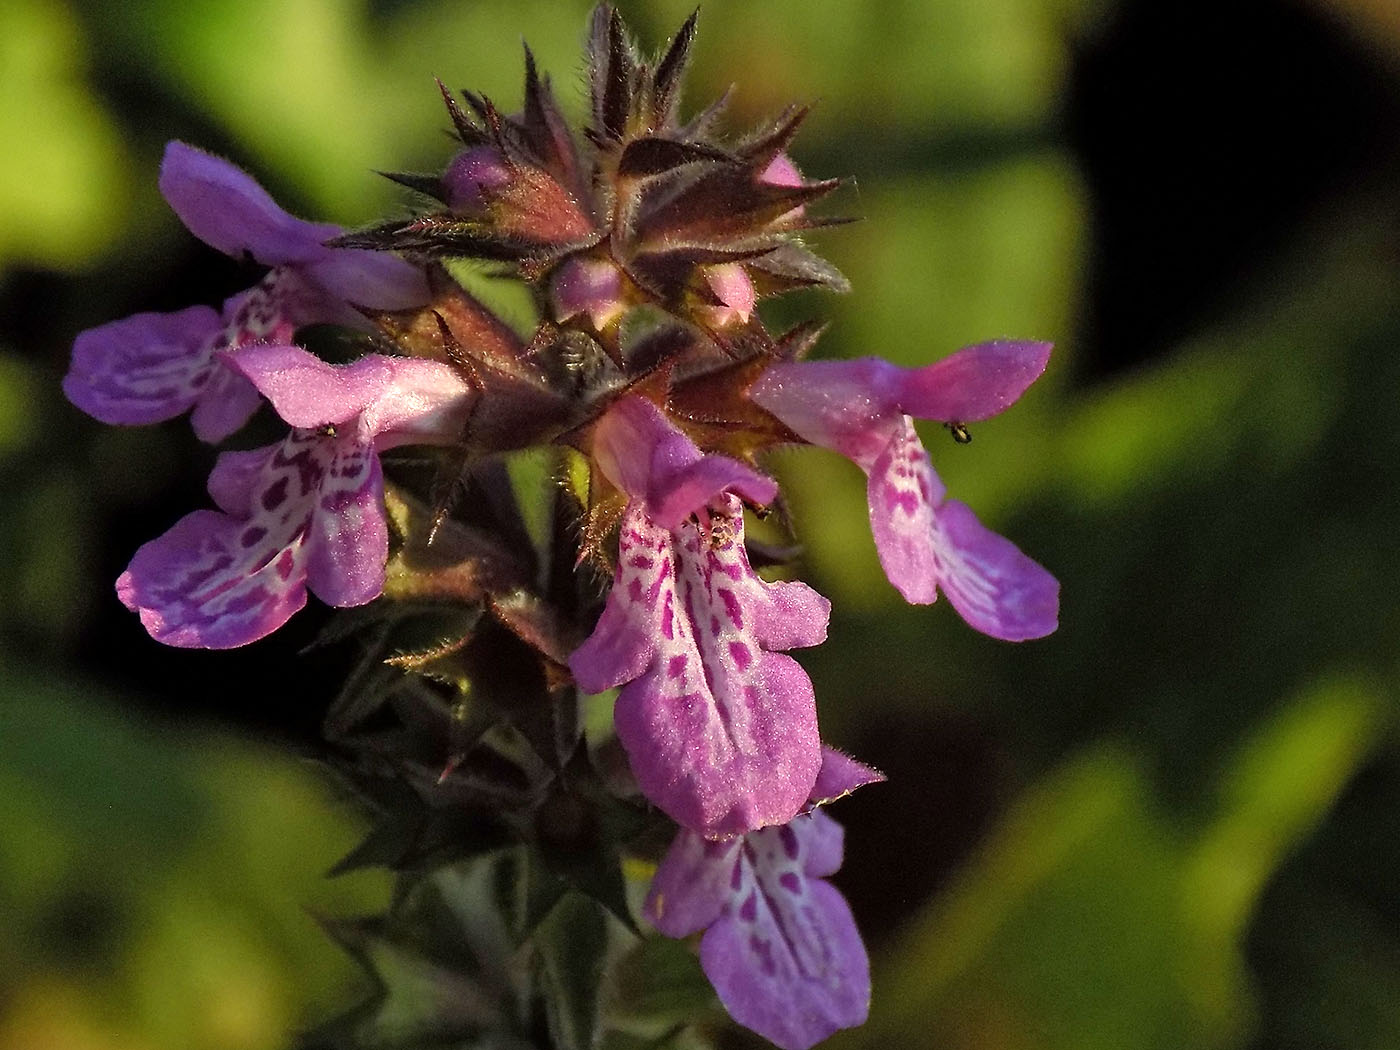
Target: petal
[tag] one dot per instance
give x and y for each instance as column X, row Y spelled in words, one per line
column 226, row 403
column 349, row 541
column 902, row 491
column 676, row 495
column 424, row 402
column 226, row 209
column 693, row 883
column 821, row 843
column 234, row 479
column 645, row 455
column 626, row 439
column 721, row 732
column 840, row 775
column 145, row 368
column 973, row 384
column 623, row 644
column 786, row 958
column 781, row 171
column 306, row 391
column 993, row 586
column 201, row 586
column 389, row 400
column 374, row 280
column 731, row 286
column 586, row 285
column 471, row 176
column 217, row 580
column 847, row 406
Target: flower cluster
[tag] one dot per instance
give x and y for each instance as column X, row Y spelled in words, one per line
column 648, row 243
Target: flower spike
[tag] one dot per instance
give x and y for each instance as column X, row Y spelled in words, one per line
column 647, row 242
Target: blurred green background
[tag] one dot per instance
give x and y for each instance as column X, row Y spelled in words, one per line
column 1172, row 824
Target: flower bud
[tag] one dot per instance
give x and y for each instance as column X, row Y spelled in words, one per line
column 587, row 285
column 471, row 176
column 732, row 287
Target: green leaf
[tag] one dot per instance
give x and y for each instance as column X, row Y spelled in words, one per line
column 572, row 946
column 656, row 988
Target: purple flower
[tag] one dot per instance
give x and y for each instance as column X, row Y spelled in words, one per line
column 151, row 367
column 720, row 728
column 780, row 946
column 926, row 542
column 307, row 512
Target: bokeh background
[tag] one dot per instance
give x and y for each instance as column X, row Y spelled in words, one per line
column 1175, row 823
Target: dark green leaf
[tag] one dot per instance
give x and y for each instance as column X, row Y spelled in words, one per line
column 572, row 947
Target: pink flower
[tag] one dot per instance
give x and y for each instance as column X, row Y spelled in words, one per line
column 720, row 728
column 780, row 946
column 307, row 512
column 926, row 542
column 151, row 367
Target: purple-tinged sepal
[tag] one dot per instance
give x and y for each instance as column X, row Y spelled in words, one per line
column 926, row 542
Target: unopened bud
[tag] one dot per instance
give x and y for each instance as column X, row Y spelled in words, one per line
column 781, row 171
column 732, row 287
column 587, row 285
column 471, row 176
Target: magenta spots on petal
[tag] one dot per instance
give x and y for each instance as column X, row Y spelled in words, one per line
column 675, row 667
column 252, row 536
column 741, row 654
column 286, row 564
column 732, row 607
column 788, row 838
column 789, row 881
column 275, row 494
column 748, row 911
